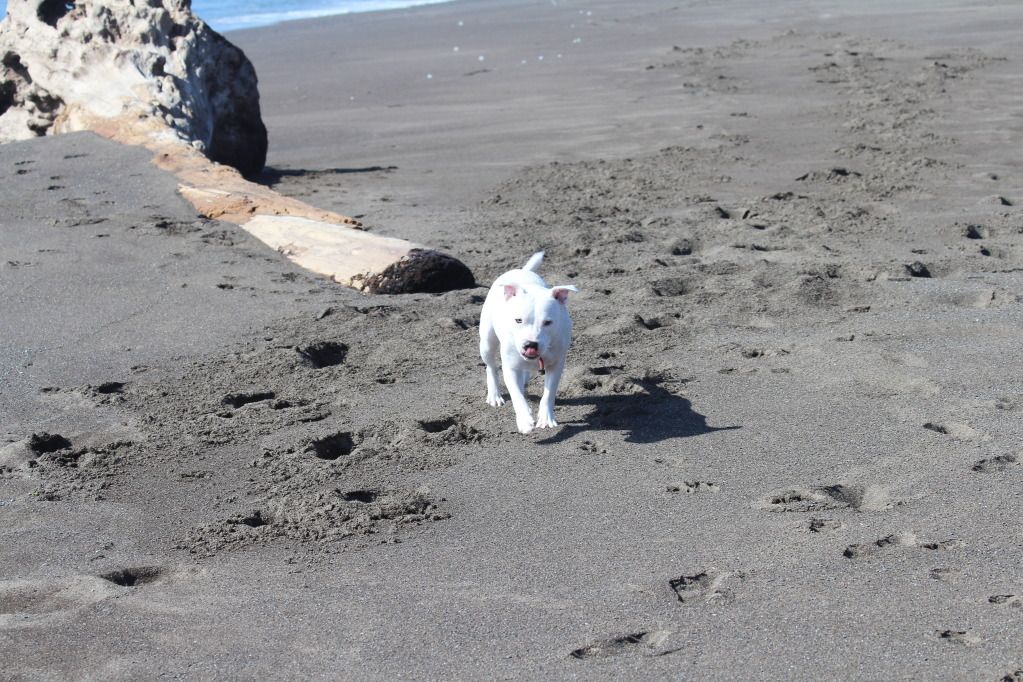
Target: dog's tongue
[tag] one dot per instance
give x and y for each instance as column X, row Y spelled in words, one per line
column 531, row 353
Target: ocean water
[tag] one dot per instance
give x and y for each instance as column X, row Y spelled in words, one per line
column 230, row 15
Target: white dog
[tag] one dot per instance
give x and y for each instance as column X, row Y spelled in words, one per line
column 527, row 322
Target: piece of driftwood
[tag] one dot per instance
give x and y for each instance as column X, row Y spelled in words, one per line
column 322, row 241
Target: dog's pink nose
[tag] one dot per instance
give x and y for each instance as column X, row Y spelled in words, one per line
column 531, row 350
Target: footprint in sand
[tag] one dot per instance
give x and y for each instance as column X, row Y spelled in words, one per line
column 831, row 497
column 323, row 354
column 594, row 447
column 24, row 603
column 135, row 576
column 448, row 429
column 945, row 574
column 964, row 637
column 975, row 231
column 1011, row 403
column 710, row 586
column 690, row 487
column 905, row 539
column 107, row 388
column 996, row 200
column 88, row 395
column 996, row 464
column 630, row 324
column 646, row 643
column 751, row 353
column 24, row 454
column 1012, row 600
column 45, row 443
column 918, row 269
column 332, row 447
column 671, row 287
column 823, row 526
column 955, row 430
column 238, row 400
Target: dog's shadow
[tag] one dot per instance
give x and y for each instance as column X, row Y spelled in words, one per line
column 649, row 417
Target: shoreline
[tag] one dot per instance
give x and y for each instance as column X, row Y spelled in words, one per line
column 262, row 20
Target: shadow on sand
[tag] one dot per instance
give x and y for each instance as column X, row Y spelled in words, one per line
column 272, row 176
column 649, row 417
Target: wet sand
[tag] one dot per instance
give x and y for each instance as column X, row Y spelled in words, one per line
column 790, row 436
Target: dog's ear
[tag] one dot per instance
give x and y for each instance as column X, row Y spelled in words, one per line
column 561, row 292
column 510, row 290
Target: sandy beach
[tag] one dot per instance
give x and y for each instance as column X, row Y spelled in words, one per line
column 790, row 443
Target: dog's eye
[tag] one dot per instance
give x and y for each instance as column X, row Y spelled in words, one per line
column 547, row 323
column 518, row 320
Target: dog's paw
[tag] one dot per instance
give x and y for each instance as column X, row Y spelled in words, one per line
column 545, row 421
column 495, row 400
column 525, row 424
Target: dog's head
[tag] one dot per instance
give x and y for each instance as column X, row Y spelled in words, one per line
column 539, row 318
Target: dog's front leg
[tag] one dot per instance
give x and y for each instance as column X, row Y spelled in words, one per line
column 515, row 383
column 545, row 415
column 489, row 346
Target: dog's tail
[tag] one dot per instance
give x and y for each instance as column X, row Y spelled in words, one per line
column 534, row 261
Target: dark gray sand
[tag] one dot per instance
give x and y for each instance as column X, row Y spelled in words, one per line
column 790, row 441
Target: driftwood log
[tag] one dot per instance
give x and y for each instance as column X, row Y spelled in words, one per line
column 154, row 74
